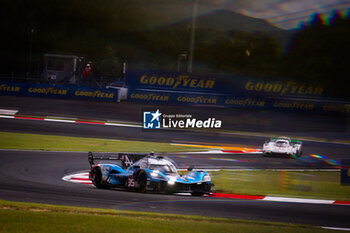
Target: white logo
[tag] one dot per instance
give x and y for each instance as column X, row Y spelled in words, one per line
column 151, row 120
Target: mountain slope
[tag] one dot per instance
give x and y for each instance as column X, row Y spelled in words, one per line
column 225, row 20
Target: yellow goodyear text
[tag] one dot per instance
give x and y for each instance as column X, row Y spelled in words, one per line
column 197, row 100
column 284, row 88
column 47, row 90
column 336, row 107
column 150, row 97
column 293, row 105
column 177, row 81
column 9, row 88
column 245, row 102
column 94, row 94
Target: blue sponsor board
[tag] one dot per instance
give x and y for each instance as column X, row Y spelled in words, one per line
column 227, row 100
column 58, row 91
column 167, row 97
column 164, row 87
column 238, row 84
column 172, row 81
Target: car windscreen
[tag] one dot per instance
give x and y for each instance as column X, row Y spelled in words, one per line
column 168, row 168
column 281, row 144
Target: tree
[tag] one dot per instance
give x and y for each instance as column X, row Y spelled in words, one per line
column 320, row 53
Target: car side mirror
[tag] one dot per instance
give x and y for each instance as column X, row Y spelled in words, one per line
column 190, row 168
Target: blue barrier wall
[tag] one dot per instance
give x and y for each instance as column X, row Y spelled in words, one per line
column 58, row 91
column 233, row 85
column 228, row 91
column 211, row 99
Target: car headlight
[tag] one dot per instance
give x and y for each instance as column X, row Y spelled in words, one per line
column 171, row 180
column 206, row 178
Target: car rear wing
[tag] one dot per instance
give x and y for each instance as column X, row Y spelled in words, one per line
column 127, row 159
column 286, row 138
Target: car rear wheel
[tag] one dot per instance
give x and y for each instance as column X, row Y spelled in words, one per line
column 96, row 175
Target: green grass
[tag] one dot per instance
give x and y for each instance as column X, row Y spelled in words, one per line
column 23, row 141
column 325, row 185
column 29, row 217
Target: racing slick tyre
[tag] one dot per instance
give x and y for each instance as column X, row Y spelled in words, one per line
column 96, row 178
column 296, row 155
column 142, row 182
column 201, row 189
column 299, row 153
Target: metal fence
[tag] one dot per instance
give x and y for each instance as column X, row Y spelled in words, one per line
column 98, row 80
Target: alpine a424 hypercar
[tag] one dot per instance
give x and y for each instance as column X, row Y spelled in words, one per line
column 282, row 145
column 146, row 172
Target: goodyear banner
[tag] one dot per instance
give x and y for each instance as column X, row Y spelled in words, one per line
column 284, row 104
column 224, row 100
column 137, row 79
column 227, row 91
column 58, row 91
column 166, row 97
column 234, row 84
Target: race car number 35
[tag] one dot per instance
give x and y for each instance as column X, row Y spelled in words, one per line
column 131, row 183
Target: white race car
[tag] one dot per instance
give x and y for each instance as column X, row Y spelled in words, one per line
column 282, row 146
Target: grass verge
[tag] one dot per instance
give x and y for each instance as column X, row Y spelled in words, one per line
column 30, row 217
column 22, row 141
column 314, row 184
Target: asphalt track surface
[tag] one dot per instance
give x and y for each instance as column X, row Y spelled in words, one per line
column 330, row 151
column 37, row 176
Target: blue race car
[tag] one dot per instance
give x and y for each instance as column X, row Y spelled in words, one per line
column 146, row 172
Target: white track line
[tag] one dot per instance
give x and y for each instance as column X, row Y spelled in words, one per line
column 8, row 111
column 80, row 178
column 59, row 120
column 336, row 228
column 298, row 200
column 4, row 116
column 123, row 125
column 10, row 115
